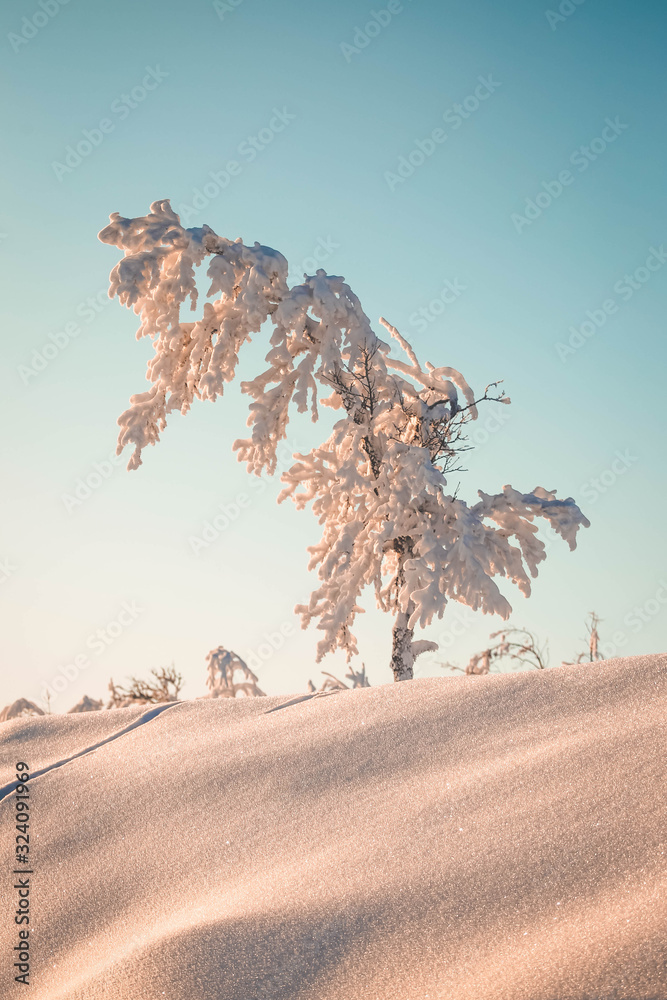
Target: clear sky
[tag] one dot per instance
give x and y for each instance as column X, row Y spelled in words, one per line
column 487, row 176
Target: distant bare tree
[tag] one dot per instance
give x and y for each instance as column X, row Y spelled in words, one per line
column 164, row 686
column 512, row 643
column 357, row 677
column 593, row 638
column 592, row 654
column 479, row 663
column 223, row 664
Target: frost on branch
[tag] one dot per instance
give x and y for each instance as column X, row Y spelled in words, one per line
column 379, row 483
column 317, row 326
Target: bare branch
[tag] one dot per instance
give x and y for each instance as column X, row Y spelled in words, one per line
column 165, row 686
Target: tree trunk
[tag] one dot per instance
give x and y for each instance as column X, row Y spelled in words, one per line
column 402, row 655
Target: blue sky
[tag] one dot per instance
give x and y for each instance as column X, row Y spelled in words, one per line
column 532, row 149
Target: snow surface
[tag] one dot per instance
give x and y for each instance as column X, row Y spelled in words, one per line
column 482, row 838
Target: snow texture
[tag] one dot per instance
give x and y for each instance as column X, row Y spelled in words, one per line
column 477, row 838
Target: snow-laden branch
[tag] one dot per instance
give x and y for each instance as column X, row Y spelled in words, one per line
column 318, row 326
column 405, row 536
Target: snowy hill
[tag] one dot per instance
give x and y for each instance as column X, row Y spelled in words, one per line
column 483, row 838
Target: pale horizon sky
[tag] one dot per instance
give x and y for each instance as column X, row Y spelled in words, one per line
column 488, row 177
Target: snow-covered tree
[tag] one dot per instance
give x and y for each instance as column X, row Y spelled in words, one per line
column 378, row 484
column 223, row 665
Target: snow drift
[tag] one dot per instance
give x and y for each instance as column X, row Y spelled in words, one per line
column 483, row 838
